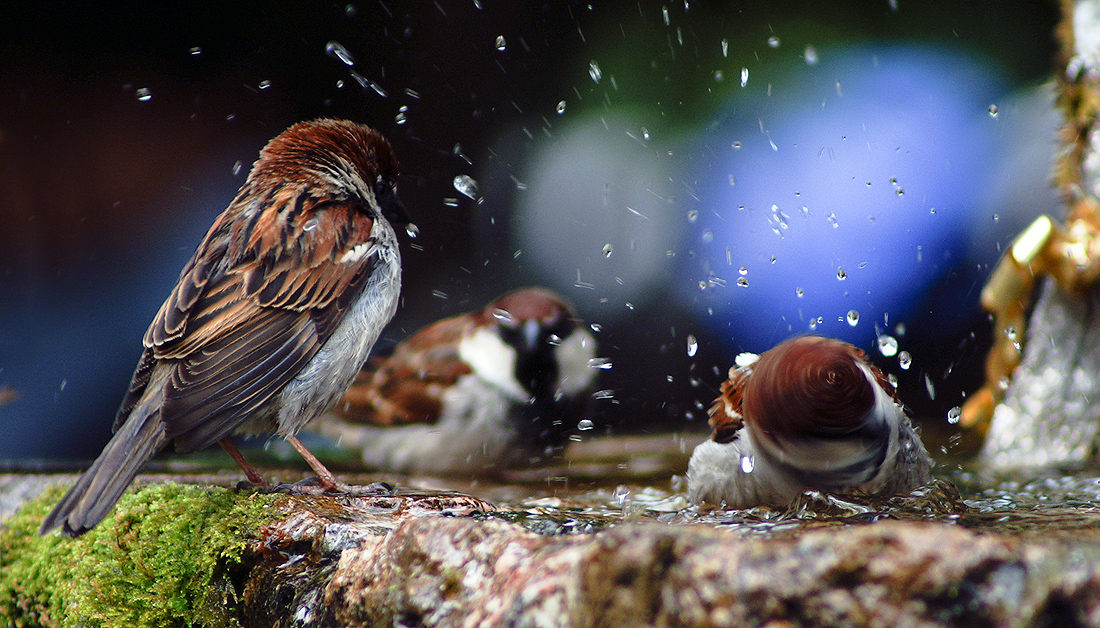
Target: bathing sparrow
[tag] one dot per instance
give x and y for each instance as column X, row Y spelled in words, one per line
column 811, row 413
column 474, row 393
column 270, row 320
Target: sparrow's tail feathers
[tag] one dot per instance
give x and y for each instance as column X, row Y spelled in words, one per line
column 95, row 493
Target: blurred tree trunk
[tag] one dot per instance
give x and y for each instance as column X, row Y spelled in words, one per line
column 1050, row 415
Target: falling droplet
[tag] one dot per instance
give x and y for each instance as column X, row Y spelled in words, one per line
column 725, row 47
column 309, row 225
column 504, row 316
column 799, row 293
column 811, row 56
column 993, row 111
column 265, row 84
column 747, row 464
column 736, row 145
column 466, row 185
column 887, row 345
column 693, row 345
column 929, row 387
column 607, row 249
column 594, row 71
column 336, row 51
column 743, row 271
column 743, row 282
column 773, row 41
column 853, row 318
column 401, row 118
column 561, row 107
column 599, row 363
column 953, row 415
column 143, row 94
column 692, row 215
column 840, row 274
column 500, row 42
column 899, row 192
column 236, row 170
column 1010, row 331
column 905, row 360
column 832, row 220
column 664, row 12
column 195, row 50
column 596, row 327
column 585, row 424
column 412, row 230
column 744, row 76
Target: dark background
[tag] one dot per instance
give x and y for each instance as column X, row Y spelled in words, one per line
column 104, row 195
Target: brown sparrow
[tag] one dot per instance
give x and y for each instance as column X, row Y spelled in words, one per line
column 272, row 317
column 811, row 413
column 474, row 393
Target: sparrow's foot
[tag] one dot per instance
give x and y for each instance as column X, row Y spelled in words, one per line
column 315, row 486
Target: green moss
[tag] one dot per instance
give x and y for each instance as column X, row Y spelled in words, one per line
column 166, row 556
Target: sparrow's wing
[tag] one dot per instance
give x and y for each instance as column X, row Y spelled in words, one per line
column 725, row 412
column 408, row 386
column 253, row 307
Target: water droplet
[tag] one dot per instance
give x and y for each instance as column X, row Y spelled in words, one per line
column 693, row 345
column 466, row 185
column 645, row 134
column 748, row 463
column 336, row 51
column 692, row 215
column 953, row 415
column 144, row 94
column 585, row 424
column 773, row 41
column 853, row 318
column 236, row 170
column 1010, row 331
column 351, row 10
column 743, row 271
column 733, row 180
column 993, row 111
column 412, row 230
column 840, row 274
column 599, row 363
column 813, row 324
column 594, row 71
column 664, row 13
column 596, row 327
column 744, row 76
column 887, row 345
column 905, row 360
column 607, row 249
column 832, row 220
column 811, row 55
column 725, row 47
column 899, row 192
column 893, row 379
column 309, row 225
column 500, row 42
column 400, row 118
column 929, row 387
column 996, row 217
column 743, row 282
column 799, row 293
column 736, row 145
column 708, row 236
column 561, row 107
column 195, row 50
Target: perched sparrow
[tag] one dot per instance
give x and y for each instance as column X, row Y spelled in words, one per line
column 272, row 317
column 811, row 413
column 474, row 393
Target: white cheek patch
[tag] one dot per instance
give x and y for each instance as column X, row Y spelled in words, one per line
column 573, row 355
column 493, row 361
column 357, row 253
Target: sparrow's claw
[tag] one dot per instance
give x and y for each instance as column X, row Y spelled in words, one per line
column 314, row 486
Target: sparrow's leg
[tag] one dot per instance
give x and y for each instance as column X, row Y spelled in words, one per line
column 326, row 481
column 253, row 475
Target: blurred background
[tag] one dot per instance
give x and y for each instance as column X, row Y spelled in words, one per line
column 698, row 178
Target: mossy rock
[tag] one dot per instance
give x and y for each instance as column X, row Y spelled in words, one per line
column 138, row 567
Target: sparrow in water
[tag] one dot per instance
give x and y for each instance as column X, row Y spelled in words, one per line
column 270, row 320
column 475, row 393
column 811, row 413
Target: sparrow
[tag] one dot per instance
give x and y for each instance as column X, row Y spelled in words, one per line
column 474, row 393
column 270, row 320
column 810, row 414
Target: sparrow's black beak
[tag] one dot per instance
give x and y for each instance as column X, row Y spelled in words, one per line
column 393, row 209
